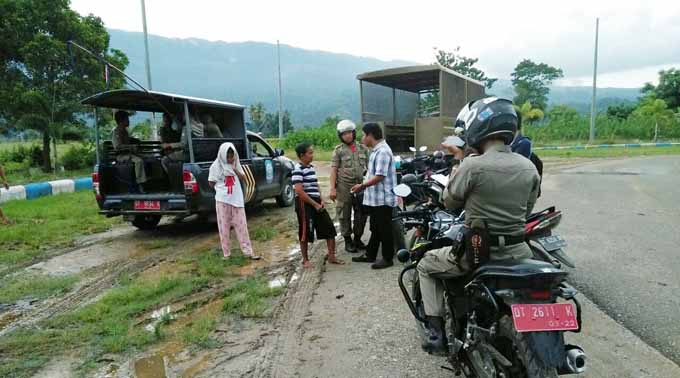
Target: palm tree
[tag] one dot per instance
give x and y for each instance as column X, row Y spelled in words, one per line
column 529, row 114
column 658, row 110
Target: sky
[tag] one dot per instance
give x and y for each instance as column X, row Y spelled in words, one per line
column 637, row 39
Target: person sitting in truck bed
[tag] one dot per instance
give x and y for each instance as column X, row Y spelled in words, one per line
column 212, row 129
column 122, row 143
column 172, row 141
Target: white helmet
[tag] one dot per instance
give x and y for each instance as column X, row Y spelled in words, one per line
column 346, row 125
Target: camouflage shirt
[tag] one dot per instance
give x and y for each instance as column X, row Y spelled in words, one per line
column 351, row 165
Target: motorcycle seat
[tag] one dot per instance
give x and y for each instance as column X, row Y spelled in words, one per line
column 516, row 268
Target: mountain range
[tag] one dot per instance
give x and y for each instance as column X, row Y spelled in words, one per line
column 316, row 84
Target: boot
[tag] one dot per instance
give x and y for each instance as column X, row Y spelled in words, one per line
column 349, row 245
column 436, row 342
column 359, row 244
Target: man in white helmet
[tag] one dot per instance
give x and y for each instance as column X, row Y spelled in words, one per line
column 348, row 166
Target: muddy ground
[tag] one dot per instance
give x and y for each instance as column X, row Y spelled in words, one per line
column 332, row 321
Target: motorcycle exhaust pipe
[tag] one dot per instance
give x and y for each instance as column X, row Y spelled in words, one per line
column 575, row 362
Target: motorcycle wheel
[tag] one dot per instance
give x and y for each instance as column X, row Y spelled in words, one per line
column 514, row 346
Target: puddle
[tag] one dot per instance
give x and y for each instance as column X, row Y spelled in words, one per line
column 151, row 367
column 277, row 282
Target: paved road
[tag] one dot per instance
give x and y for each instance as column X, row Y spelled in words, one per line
column 622, row 223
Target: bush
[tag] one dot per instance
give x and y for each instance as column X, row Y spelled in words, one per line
column 324, row 137
column 79, row 157
column 23, row 154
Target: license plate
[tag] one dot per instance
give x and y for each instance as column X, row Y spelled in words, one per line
column 147, row 205
column 544, row 317
column 552, row 243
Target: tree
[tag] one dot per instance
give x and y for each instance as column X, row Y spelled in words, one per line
column 257, row 114
column 268, row 123
column 668, row 88
column 529, row 114
column 656, row 109
column 459, row 63
column 531, row 82
column 463, row 65
column 620, row 111
column 41, row 77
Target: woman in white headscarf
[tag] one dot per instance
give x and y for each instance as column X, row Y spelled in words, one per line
column 225, row 177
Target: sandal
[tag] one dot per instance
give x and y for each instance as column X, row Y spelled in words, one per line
column 334, row 260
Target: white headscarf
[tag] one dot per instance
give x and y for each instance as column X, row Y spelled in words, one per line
column 221, row 164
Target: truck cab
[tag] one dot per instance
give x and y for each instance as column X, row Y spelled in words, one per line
column 177, row 181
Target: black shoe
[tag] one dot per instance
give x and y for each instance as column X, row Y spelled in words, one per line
column 362, row 258
column 359, row 244
column 349, row 245
column 436, row 342
column 382, row 264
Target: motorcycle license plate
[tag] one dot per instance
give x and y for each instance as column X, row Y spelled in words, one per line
column 552, row 243
column 544, row 317
column 147, row 205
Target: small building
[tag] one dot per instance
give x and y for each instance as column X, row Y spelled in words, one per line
column 395, row 99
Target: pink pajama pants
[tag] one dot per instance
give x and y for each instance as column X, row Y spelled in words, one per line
column 229, row 216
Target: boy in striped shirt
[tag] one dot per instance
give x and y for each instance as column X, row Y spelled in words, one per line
column 311, row 213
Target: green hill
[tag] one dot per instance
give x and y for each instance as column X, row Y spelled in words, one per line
column 316, row 84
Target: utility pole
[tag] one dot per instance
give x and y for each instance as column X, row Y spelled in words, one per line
column 278, row 55
column 593, row 105
column 154, row 130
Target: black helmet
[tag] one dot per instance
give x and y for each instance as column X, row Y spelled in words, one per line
column 488, row 117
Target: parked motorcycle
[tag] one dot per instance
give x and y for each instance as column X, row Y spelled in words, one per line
column 505, row 319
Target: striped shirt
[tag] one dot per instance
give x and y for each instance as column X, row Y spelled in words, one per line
column 381, row 163
column 306, row 175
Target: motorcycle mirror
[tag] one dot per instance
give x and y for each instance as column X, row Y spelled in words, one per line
column 423, row 148
column 403, row 255
column 412, row 149
column 440, row 179
column 458, row 131
column 402, row 190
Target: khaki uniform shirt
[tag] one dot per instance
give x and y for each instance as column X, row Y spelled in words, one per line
column 498, row 187
column 351, row 165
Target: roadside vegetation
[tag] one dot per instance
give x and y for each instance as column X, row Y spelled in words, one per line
column 47, row 224
column 119, row 321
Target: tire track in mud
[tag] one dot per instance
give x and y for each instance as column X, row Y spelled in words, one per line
column 105, row 277
column 280, row 355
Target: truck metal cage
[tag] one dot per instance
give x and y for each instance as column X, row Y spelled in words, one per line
column 394, row 99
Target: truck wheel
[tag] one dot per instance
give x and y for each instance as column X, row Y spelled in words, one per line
column 146, row 222
column 287, row 195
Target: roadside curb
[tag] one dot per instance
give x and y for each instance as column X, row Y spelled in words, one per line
column 43, row 189
column 589, row 147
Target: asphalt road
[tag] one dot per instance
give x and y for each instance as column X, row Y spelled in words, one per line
column 622, row 224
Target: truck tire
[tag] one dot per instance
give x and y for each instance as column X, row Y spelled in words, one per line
column 146, row 222
column 287, row 195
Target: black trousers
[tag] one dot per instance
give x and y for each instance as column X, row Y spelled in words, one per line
column 382, row 232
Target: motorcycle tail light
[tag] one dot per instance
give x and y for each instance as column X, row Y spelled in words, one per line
column 543, row 294
column 550, row 222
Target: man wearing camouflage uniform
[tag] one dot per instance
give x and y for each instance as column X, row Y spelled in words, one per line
column 497, row 189
column 348, row 166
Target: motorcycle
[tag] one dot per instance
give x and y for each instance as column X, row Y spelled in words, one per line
column 503, row 319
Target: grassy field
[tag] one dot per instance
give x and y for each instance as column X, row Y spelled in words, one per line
column 48, row 223
column 612, row 152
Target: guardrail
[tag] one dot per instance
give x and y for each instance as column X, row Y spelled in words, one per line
column 42, row 189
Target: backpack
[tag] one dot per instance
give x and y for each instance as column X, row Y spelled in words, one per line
column 538, row 163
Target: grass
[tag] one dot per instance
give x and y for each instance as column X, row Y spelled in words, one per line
column 610, row 152
column 106, row 326
column 48, row 223
column 263, row 233
column 35, row 286
column 198, row 332
column 248, row 298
